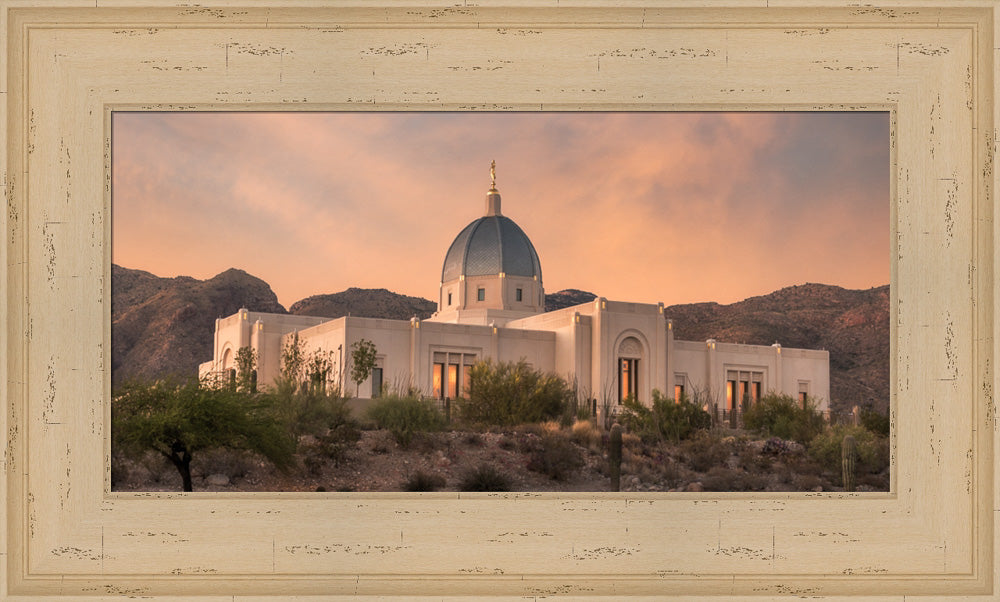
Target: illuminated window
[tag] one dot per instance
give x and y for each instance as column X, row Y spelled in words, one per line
column 627, row 373
column 481, row 294
column 451, row 373
column 743, row 388
column 803, row 393
column 517, row 294
column 452, row 381
column 438, row 377
column 678, row 393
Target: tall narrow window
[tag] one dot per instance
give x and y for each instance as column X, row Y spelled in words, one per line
column 627, row 377
column 678, row 393
column 438, row 378
column 376, row 382
column 517, row 294
column 452, row 381
column 803, row 393
column 466, row 374
column 481, row 294
column 449, row 298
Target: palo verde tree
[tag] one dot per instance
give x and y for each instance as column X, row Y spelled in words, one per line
column 362, row 361
column 178, row 421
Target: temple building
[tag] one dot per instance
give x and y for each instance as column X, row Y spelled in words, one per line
column 491, row 305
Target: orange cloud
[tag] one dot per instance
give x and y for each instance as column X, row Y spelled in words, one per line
column 636, row 206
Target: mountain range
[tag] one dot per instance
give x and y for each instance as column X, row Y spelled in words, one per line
column 163, row 326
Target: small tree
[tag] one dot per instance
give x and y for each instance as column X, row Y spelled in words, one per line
column 318, row 367
column 292, row 362
column 362, row 361
column 246, row 370
column 178, row 421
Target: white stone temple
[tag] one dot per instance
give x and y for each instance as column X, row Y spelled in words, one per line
column 491, row 306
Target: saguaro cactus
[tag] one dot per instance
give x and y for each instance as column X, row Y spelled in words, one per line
column 615, row 457
column 848, row 458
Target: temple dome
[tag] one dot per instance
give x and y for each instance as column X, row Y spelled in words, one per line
column 491, row 245
column 488, row 246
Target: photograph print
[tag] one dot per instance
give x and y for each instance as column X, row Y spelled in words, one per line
column 462, row 302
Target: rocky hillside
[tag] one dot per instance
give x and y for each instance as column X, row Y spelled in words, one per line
column 366, row 303
column 567, row 298
column 853, row 325
column 162, row 326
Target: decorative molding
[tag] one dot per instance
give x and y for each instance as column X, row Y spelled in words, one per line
column 66, row 66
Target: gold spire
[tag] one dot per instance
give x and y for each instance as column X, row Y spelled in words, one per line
column 493, row 196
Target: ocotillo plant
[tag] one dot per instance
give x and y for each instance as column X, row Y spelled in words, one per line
column 615, row 456
column 848, row 456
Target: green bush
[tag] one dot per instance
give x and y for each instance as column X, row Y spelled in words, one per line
column 484, row 477
column 507, row 394
column 320, row 420
column 666, row 420
column 875, row 421
column 406, row 416
column 782, row 416
column 873, row 451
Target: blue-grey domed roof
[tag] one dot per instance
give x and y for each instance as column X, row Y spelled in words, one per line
column 490, row 245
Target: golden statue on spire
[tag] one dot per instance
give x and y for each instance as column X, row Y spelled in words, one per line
column 493, row 174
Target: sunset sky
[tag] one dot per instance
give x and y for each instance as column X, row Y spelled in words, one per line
column 648, row 207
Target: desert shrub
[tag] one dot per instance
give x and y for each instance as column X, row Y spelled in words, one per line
column 555, row 456
column 320, row 420
column 806, row 482
column 781, row 416
column 875, row 421
column 670, row 472
column 484, row 477
column 473, row 439
column 233, row 463
column 705, row 450
column 720, row 478
column 752, row 461
column 422, row 481
column 587, row 434
column 872, row 450
column 506, row 393
column 665, row 420
column 406, row 416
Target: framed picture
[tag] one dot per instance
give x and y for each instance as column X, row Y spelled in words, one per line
column 68, row 68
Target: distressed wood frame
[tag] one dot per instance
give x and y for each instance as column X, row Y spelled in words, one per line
column 65, row 67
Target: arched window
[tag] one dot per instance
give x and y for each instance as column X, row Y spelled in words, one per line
column 227, row 359
column 629, row 356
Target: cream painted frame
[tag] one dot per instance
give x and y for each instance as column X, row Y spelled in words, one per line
column 931, row 62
